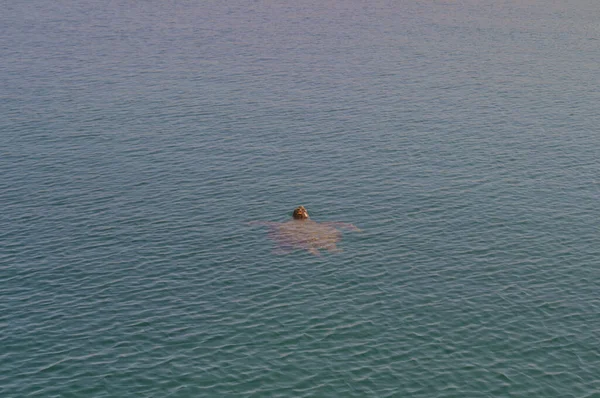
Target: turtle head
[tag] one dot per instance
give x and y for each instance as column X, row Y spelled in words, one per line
column 300, row 213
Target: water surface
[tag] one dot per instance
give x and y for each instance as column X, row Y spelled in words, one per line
column 138, row 138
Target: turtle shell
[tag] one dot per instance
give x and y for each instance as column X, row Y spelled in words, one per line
column 306, row 234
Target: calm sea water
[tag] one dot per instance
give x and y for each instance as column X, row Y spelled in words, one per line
column 138, row 138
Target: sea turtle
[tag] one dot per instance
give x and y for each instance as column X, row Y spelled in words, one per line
column 303, row 233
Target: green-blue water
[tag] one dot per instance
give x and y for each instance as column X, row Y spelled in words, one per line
column 139, row 138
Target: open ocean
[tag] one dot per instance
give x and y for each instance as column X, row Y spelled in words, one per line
column 139, row 139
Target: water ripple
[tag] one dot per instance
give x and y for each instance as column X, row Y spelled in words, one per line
column 138, row 138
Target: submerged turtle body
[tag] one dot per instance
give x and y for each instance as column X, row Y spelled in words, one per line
column 303, row 233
